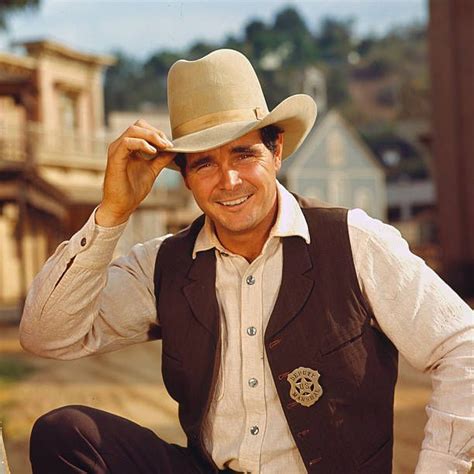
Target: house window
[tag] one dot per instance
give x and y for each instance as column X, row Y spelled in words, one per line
column 68, row 110
column 363, row 199
column 336, row 190
column 391, row 158
column 394, row 213
column 335, row 149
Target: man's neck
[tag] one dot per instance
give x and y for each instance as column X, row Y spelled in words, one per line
column 249, row 244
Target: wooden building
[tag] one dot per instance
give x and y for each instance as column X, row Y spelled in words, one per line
column 53, row 149
column 451, row 38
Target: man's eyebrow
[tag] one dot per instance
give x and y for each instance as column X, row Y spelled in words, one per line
column 199, row 161
column 244, row 149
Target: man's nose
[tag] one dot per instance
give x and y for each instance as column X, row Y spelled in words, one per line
column 230, row 179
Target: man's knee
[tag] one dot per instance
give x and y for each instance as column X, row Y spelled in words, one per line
column 63, row 423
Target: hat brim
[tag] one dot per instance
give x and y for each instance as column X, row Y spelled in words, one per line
column 295, row 116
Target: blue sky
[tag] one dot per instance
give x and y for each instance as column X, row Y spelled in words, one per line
column 141, row 27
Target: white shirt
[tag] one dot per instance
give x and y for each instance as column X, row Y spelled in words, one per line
column 81, row 309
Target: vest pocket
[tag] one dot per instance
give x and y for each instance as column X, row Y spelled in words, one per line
column 335, row 342
column 343, row 355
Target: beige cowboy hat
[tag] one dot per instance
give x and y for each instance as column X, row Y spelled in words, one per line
column 218, row 98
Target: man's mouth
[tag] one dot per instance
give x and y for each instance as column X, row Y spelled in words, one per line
column 235, row 202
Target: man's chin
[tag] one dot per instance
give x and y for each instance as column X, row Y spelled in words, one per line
column 234, row 227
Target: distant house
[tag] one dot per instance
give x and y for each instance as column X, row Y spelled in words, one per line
column 335, row 165
column 53, row 150
column 411, row 194
column 52, row 156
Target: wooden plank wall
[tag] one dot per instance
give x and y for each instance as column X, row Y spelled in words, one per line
column 451, row 41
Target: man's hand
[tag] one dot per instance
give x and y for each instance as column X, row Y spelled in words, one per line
column 128, row 176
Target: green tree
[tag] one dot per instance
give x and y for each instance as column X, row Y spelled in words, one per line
column 291, row 29
column 290, row 21
column 10, row 7
column 122, row 84
column 335, row 39
column 259, row 39
column 160, row 62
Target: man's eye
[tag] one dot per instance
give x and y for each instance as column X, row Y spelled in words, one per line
column 245, row 156
column 203, row 166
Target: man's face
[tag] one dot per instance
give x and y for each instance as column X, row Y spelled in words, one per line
column 235, row 184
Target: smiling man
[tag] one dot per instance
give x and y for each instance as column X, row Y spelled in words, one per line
column 280, row 318
column 235, row 186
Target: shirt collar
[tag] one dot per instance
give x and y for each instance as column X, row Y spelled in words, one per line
column 290, row 222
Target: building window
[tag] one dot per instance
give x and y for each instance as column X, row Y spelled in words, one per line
column 68, row 110
column 335, row 149
column 363, row 199
column 394, row 213
column 336, row 190
column 391, row 158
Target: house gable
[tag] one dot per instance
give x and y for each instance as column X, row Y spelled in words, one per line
column 335, row 165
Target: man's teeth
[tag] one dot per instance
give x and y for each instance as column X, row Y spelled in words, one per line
column 235, row 202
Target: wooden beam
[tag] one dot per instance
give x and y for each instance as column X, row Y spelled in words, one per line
column 451, row 39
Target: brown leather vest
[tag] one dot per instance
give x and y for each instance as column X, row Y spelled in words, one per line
column 320, row 320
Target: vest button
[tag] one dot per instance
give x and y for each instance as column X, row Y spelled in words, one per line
column 250, row 280
column 83, row 242
column 254, row 430
column 251, row 331
column 253, row 382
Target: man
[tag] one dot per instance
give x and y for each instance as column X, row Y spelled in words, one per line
column 280, row 318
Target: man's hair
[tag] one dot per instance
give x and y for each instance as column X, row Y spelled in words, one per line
column 268, row 134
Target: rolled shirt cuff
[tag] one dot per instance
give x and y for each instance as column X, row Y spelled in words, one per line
column 93, row 246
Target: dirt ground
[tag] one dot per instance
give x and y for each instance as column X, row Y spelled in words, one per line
column 129, row 384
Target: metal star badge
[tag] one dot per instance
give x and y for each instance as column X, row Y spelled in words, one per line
column 305, row 388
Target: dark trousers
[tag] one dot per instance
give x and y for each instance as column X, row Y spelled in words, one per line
column 80, row 439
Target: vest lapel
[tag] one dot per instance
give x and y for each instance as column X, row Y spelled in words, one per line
column 295, row 285
column 201, row 291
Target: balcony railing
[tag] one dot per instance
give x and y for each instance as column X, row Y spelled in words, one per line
column 36, row 145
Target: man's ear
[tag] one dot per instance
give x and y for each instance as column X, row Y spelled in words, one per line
column 278, row 151
column 185, row 179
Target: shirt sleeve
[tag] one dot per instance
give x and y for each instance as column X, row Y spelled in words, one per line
column 82, row 302
column 431, row 326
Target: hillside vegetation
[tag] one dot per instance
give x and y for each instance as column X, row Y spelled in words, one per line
column 372, row 80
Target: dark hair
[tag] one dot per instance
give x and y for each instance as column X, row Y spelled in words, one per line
column 268, row 134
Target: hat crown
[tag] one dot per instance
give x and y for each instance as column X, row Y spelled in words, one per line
column 220, row 87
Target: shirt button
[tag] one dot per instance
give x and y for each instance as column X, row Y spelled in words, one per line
column 251, row 331
column 254, row 430
column 250, row 280
column 83, row 242
column 253, row 382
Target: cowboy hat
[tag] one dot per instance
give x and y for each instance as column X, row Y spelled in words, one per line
column 218, row 98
